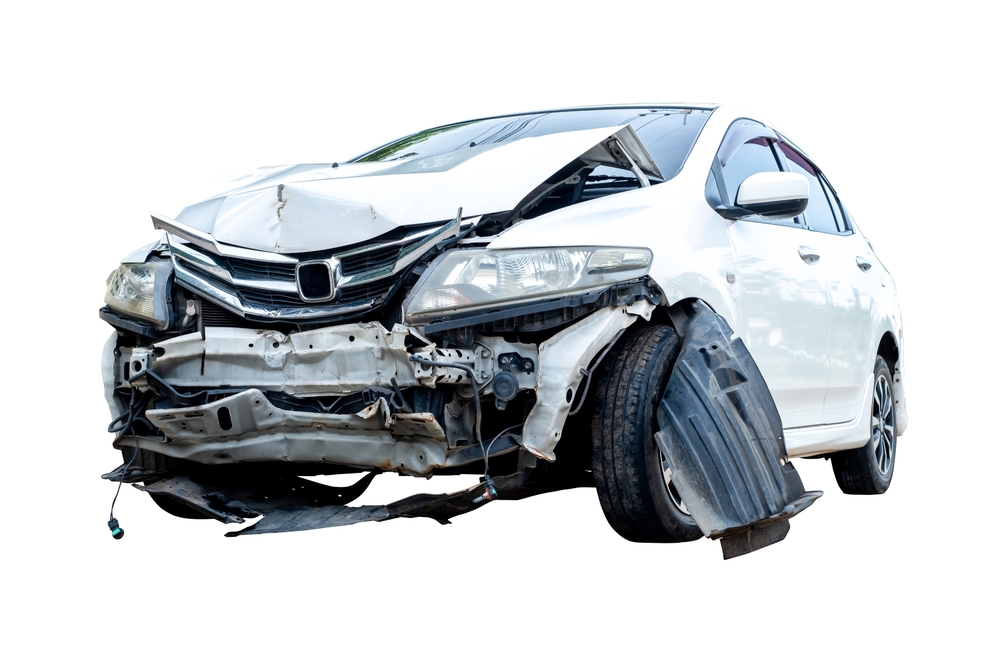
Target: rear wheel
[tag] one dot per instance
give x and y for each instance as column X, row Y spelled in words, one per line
column 868, row 470
column 633, row 481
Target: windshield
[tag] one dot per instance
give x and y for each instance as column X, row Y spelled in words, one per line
column 667, row 133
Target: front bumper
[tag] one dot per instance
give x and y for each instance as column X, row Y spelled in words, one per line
column 215, row 395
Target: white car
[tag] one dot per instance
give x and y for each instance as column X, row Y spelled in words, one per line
column 665, row 302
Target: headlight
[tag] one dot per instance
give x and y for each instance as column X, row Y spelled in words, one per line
column 140, row 290
column 471, row 279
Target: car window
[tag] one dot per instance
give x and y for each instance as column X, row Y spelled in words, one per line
column 667, row 133
column 669, row 137
column 835, row 203
column 819, row 213
column 848, row 220
column 752, row 157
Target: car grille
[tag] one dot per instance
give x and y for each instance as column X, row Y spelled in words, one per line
column 266, row 290
column 270, row 299
column 350, row 265
column 247, row 269
column 365, row 291
column 369, row 261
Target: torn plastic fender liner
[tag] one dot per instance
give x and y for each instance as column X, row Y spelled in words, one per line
column 723, row 440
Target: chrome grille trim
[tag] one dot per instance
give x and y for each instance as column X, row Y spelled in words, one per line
column 203, row 263
column 232, row 302
column 210, row 275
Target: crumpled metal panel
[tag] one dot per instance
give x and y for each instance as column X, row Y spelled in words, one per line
column 562, row 361
column 724, row 442
column 336, row 360
column 250, row 411
column 247, row 427
column 316, row 208
column 330, row 361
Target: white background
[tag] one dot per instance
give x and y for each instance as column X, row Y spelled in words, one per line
column 111, row 110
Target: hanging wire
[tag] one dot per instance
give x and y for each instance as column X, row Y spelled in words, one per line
column 486, row 454
column 121, row 424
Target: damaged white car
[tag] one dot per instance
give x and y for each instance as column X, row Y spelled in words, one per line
column 664, row 302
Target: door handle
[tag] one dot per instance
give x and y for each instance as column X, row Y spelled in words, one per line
column 808, row 255
column 863, row 263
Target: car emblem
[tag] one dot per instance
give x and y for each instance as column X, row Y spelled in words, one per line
column 316, row 280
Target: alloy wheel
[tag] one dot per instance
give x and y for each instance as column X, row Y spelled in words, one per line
column 883, row 425
column 675, row 497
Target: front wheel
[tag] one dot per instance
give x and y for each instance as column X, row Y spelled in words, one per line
column 633, row 482
column 868, row 470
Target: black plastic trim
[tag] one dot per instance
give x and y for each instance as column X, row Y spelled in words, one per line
column 619, row 294
column 119, row 322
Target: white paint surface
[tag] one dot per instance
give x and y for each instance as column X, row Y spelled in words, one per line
column 104, row 107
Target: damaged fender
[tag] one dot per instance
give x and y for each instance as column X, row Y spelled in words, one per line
column 724, row 441
column 562, row 362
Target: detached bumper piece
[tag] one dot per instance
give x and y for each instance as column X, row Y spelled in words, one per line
column 292, row 504
column 724, row 443
column 440, row 507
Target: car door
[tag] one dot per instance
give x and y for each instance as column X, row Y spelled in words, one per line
column 782, row 307
column 853, row 283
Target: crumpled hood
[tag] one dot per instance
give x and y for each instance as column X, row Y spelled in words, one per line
column 304, row 208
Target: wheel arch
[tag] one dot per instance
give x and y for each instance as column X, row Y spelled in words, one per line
column 888, row 349
column 676, row 314
column 674, row 303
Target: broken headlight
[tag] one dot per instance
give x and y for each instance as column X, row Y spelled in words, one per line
column 140, row 290
column 471, row 279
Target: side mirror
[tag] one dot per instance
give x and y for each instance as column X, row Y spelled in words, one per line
column 770, row 194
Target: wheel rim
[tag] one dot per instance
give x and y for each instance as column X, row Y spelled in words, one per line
column 675, row 497
column 883, row 425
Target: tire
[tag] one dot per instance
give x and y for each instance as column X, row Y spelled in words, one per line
column 868, row 470
column 634, row 489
